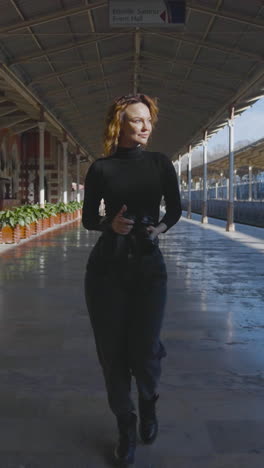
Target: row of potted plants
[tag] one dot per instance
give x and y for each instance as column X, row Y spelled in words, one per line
column 24, row 221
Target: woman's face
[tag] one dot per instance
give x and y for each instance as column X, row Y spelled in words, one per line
column 136, row 126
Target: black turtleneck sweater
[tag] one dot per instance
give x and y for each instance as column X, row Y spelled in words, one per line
column 136, row 178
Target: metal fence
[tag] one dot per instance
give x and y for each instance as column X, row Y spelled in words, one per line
column 241, row 192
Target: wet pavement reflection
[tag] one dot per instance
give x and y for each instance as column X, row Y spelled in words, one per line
column 53, row 408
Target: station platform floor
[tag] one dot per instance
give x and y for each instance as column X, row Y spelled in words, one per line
column 53, row 406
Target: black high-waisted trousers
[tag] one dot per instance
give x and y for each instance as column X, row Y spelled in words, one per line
column 125, row 300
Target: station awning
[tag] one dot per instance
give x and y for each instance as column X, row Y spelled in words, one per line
column 65, row 56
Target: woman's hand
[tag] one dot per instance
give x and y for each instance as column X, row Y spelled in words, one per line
column 122, row 225
column 155, row 231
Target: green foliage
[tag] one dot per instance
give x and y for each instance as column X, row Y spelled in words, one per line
column 26, row 214
column 8, row 218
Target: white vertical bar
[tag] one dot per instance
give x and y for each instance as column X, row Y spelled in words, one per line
column 204, row 219
column 250, row 183
column 78, row 157
column 230, row 211
column 41, row 126
column 179, row 173
column 189, row 212
column 235, row 184
column 65, row 171
column 59, row 170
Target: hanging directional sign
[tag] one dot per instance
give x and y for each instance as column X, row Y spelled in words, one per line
column 146, row 13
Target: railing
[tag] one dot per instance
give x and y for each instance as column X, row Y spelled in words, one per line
column 245, row 212
column 241, row 192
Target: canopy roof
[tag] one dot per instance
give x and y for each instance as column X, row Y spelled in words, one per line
column 249, row 155
column 63, row 55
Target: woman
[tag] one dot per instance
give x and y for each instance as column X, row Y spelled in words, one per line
column 125, row 282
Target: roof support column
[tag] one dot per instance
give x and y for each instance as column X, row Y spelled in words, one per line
column 189, row 212
column 41, row 126
column 204, row 219
column 59, row 170
column 78, row 158
column 250, row 183
column 216, row 190
column 179, row 173
column 230, row 204
column 65, row 170
column 221, row 186
column 235, row 184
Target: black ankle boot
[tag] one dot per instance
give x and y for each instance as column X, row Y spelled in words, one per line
column 148, row 427
column 125, row 449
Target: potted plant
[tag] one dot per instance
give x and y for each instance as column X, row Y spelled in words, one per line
column 27, row 218
column 38, row 227
column 44, row 214
column 10, row 226
column 62, row 211
column 52, row 211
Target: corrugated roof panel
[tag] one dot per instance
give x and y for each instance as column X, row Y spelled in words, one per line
column 186, row 51
column 37, row 69
column 85, row 91
column 179, row 71
column 20, row 44
column 101, row 19
column 93, row 101
column 253, row 40
column 208, row 3
column 120, row 89
column 8, row 14
column 212, row 58
column 33, row 8
column 227, row 32
column 88, row 53
column 80, row 25
column 243, row 7
column 214, row 80
column 53, row 34
column 160, row 67
column 120, row 43
column 117, row 67
column 196, row 24
column 95, row 74
column 160, row 45
column 72, row 3
column 49, row 86
column 73, row 79
column 67, row 59
column 239, row 65
column 58, row 100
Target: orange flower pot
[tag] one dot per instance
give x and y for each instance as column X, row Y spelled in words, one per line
column 25, row 231
column 38, row 226
column 45, row 223
column 11, row 235
column 33, row 228
column 57, row 219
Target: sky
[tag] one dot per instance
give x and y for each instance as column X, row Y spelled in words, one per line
column 248, row 126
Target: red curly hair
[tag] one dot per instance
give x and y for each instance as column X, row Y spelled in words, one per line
column 116, row 114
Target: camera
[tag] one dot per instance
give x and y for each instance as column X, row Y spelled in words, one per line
column 142, row 236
